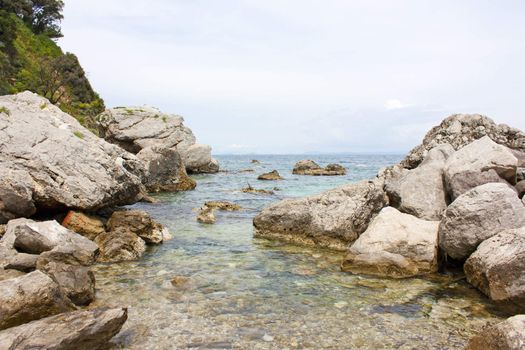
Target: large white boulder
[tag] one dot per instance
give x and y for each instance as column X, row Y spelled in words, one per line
column 506, row 335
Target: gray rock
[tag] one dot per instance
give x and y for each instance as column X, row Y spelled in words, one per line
column 421, row 191
column 520, row 187
column 506, row 335
column 394, row 245
column 520, row 174
column 482, row 161
column 30, row 297
column 78, row 330
column 120, row 245
column 497, row 268
column 49, row 161
column 332, row 219
column 478, row 215
column 22, row 262
column 165, row 170
column 77, row 281
column 459, row 130
column 136, row 128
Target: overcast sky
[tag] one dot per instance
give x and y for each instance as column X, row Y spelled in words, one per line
column 278, row 76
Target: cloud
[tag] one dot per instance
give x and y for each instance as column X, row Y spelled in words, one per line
column 394, row 104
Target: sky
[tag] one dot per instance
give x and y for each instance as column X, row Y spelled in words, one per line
column 304, row 76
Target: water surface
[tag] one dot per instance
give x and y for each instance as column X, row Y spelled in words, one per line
column 246, row 293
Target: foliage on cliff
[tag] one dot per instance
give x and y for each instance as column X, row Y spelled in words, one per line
column 31, row 60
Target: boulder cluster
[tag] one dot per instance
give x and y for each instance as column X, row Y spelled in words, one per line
column 309, row 167
column 55, row 170
column 458, row 198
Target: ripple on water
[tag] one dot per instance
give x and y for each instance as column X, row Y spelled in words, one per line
column 245, row 293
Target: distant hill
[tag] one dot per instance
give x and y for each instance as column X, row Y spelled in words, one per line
column 31, row 60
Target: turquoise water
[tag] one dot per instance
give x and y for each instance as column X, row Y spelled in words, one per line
column 246, row 293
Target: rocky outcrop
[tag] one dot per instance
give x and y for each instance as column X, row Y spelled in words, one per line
column 459, row 130
column 271, row 176
column 506, row 335
column 165, row 169
column 497, row 268
column 309, row 167
column 223, row 205
column 139, row 223
column 478, row 215
column 50, row 162
column 137, row 128
column 205, row 215
column 30, row 297
column 79, row 330
column 395, row 245
column 480, row 162
column 421, row 191
column 120, row 245
column 332, row 219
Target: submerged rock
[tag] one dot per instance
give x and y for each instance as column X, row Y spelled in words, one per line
column 395, row 245
column 272, row 175
column 497, row 268
column 223, row 205
column 459, row 130
column 205, row 215
column 165, row 170
column 79, row 330
column 50, row 162
column 250, row 189
column 30, row 297
column 136, row 128
column 421, row 191
column 506, row 335
column 332, row 219
column 309, row 167
column 478, row 215
column 480, row 162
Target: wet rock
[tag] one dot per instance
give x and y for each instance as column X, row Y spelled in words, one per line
column 30, row 297
column 332, row 219
column 139, row 223
column 459, row 130
column 480, row 162
column 165, row 170
column 271, row 176
column 497, row 268
column 520, row 187
column 205, row 215
column 22, row 262
column 79, row 330
column 223, row 205
column 255, row 161
column 395, row 245
column 83, row 224
column 246, row 171
column 68, row 270
column 309, row 167
column 252, row 190
column 55, row 163
column 136, row 128
column 506, row 335
column 180, row 281
column 421, row 191
column 478, row 215
column 120, row 245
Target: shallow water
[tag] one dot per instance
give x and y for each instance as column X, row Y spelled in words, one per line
column 246, row 293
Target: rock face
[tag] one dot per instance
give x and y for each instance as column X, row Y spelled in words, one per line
column 480, row 162
column 459, row 130
column 506, row 335
column 309, row 167
column 332, row 219
column 165, row 170
column 79, row 330
column 395, row 245
column 272, row 175
column 478, row 215
column 30, row 297
column 421, row 191
column 139, row 223
column 136, row 128
column 497, row 268
column 50, row 162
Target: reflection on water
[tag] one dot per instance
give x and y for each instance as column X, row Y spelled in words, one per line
column 215, row 287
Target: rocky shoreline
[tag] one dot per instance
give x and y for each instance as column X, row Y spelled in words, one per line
column 455, row 200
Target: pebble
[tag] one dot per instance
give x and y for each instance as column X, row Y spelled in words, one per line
column 267, row 338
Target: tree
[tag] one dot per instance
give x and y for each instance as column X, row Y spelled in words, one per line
column 42, row 16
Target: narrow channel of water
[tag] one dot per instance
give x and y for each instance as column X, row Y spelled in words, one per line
column 237, row 292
